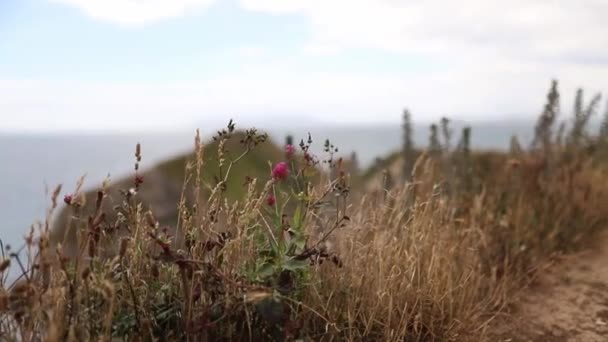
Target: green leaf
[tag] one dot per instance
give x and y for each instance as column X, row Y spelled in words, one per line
column 297, row 219
column 299, row 241
column 294, row 264
column 266, row 270
column 274, row 247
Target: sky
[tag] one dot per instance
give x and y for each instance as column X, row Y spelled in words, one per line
column 122, row 65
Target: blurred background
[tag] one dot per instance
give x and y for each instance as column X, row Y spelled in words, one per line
column 82, row 81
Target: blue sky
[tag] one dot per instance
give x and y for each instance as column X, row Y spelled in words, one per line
column 156, row 64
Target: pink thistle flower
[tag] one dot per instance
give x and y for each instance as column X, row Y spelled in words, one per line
column 280, row 171
column 68, row 199
column 290, row 150
column 271, row 200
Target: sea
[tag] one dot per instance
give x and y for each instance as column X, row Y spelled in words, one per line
column 32, row 165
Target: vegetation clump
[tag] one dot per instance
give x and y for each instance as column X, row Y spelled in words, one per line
column 296, row 252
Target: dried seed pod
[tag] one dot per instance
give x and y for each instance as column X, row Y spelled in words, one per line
column 85, row 273
column 124, row 243
column 92, row 248
column 54, row 196
column 138, row 152
column 99, row 200
column 3, row 301
column 45, row 270
column 5, row 264
column 99, row 219
column 108, row 290
column 20, row 287
column 155, row 270
column 150, row 219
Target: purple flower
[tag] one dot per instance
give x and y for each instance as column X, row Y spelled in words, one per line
column 289, row 150
column 280, row 171
column 68, row 199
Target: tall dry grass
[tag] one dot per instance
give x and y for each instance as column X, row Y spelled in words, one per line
column 307, row 257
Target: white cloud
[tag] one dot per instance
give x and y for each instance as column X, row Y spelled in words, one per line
column 266, row 95
column 250, row 51
column 572, row 31
column 521, row 29
column 135, row 12
column 320, row 50
column 497, row 59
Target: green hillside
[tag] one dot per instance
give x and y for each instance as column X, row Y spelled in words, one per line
column 163, row 184
column 253, row 165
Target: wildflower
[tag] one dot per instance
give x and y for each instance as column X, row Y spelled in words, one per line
column 289, row 150
column 139, row 179
column 280, row 171
column 271, row 200
column 68, row 199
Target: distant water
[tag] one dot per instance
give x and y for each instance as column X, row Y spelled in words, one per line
column 30, row 163
column 27, row 163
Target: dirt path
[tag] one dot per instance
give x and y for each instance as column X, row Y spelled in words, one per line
column 568, row 302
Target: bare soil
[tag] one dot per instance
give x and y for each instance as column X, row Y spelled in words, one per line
column 567, row 302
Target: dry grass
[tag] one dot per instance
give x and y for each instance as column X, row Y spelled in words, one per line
column 432, row 259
